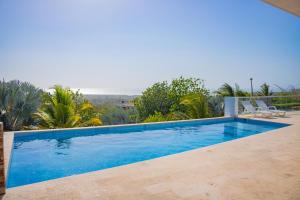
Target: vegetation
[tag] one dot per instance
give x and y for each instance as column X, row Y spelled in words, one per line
column 227, row 90
column 104, row 99
column 154, row 99
column 163, row 101
column 18, row 101
column 216, row 105
column 23, row 106
column 195, row 105
column 65, row 109
column 264, row 90
column 182, row 87
column 287, row 106
column 156, row 117
column 173, row 116
column 113, row 114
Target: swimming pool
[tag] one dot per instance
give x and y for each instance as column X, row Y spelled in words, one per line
column 46, row 155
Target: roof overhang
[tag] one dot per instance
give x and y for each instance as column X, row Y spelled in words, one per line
column 291, row 6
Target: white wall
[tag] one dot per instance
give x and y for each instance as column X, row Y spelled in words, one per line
column 230, row 106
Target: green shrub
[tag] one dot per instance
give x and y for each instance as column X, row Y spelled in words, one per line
column 156, row 117
column 154, row 99
column 166, row 98
column 112, row 115
column 291, row 106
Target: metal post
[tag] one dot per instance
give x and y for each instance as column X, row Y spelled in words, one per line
column 2, row 168
column 251, row 79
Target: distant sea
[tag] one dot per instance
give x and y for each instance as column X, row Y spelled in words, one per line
column 105, row 91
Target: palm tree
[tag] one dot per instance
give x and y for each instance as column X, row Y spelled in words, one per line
column 58, row 110
column 196, row 105
column 227, row 90
column 265, row 90
column 62, row 110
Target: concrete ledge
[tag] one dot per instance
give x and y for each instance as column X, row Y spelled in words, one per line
column 8, row 146
column 138, row 125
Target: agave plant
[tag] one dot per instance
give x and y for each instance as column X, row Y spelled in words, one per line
column 216, row 105
column 62, row 110
column 18, row 102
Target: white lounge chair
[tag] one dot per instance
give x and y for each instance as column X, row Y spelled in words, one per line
column 250, row 109
column 263, row 106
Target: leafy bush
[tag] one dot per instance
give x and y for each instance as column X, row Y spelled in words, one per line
column 165, row 98
column 183, row 87
column 88, row 115
column 159, row 117
column 154, row 99
column 112, row 115
column 288, row 106
column 156, row 117
column 18, row 101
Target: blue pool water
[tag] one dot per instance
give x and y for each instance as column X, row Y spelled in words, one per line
column 53, row 154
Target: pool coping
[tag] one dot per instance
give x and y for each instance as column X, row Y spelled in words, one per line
column 142, row 126
column 123, row 125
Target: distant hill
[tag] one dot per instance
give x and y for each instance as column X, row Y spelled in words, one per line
column 112, row 99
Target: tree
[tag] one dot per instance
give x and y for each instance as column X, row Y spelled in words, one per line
column 62, row 109
column 18, row 102
column 265, row 90
column 227, row 90
column 181, row 87
column 165, row 98
column 154, row 99
column 58, row 110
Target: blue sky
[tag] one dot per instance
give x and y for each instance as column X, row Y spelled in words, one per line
column 128, row 45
